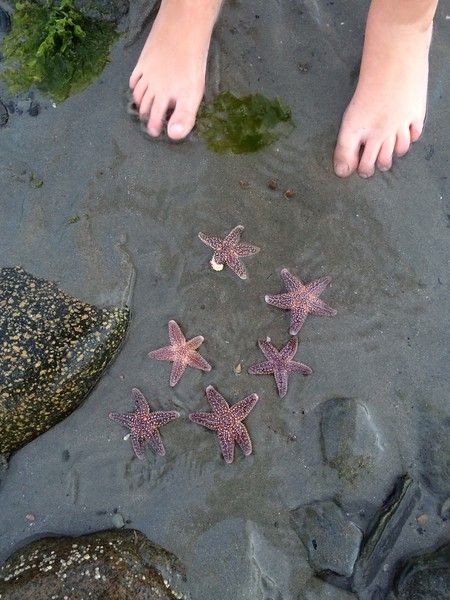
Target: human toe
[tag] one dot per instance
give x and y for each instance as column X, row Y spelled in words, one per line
column 139, row 91
column 366, row 166
column 183, row 119
column 146, row 105
column 157, row 114
column 384, row 160
column 346, row 154
column 415, row 130
column 403, row 142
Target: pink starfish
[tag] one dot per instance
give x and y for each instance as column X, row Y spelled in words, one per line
column 181, row 352
column 228, row 251
column 301, row 299
column 279, row 363
column 144, row 425
column 226, row 421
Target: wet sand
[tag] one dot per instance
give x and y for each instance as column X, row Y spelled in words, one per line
column 141, row 205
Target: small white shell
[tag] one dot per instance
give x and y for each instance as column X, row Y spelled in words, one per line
column 216, row 266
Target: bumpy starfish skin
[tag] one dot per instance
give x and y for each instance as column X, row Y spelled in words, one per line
column 144, row 425
column 181, row 352
column 279, row 363
column 228, row 251
column 227, row 421
column 301, row 299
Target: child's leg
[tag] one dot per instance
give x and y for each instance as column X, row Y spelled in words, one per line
column 170, row 72
column 388, row 108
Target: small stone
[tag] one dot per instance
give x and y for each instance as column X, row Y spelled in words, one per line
column 272, row 184
column 288, row 194
column 118, row 521
column 422, row 520
column 303, row 67
column 30, row 518
column 238, row 369
column 34, row 109
column 332, row 541
column 4, row 115
column 424, row 577
column 244, row 184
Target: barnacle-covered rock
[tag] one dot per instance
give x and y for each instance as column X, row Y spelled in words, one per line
column 111, row 565
column 53, row 350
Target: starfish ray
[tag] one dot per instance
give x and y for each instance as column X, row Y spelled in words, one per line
column 301, row 299
column 279, row 363
column 228, row 250
column 227, row 422
column 144, row 424
column 181, row 352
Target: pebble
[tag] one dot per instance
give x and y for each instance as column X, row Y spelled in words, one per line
column 4, row 115
column 118, row 521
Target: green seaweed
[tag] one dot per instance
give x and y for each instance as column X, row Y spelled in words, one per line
column 56, row 48
column 243, row 124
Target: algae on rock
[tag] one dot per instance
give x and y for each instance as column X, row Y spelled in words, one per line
column 112, row 565
column 245, row 124
column 55, row 47
column 53, row 350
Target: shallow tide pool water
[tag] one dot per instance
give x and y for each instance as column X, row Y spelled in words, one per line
column 115, row 218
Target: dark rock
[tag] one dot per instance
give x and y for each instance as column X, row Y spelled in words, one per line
column 34, row 109
column 349, row 439
column 434, row 453
column 53, row 350
column 5, row 21
column 425, row 577
column 384, row 531
column 332, row 541
column 112, row 565
column 4, row 116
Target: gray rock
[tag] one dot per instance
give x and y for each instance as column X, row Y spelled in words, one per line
column 349, row 439
column 425, row 577
column 384, row 531
column 108, row 565
column 434, row 453
column 332, row 541
column 4, row 116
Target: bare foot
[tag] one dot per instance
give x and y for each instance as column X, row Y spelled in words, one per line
column 388, row 108
column 170, row 72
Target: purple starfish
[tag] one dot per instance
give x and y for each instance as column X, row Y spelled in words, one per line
column 144, row 424
column 226, row 421
column 301, row 299
column 181, row 352
column 279, row 363
column 228, row 251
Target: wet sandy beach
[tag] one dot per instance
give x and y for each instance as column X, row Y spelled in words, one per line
column 117, row 217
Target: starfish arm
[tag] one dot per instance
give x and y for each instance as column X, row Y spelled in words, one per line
column 138, row 445
column 126, row 420
column 216, row 400
column 234, row 236
column 226, row 443
column 291, row 282
column 195, row 343
column 209, row 420
column 165, row 353
column 268, row 349
column 289, row 351
column 318, row 307
column 198, row 362
column 156, row 444
column 178, row 368
column 317, row 287
column 175, row 334
column 283, row 301
column 298, row 317
column 297, row 367
column 243, row 439
column 236, row 266
column 242, row 408
column 162, row 417
column 262, row 368
column 243, row 249
column 281, row 379
column 211, row 241
column 140, row 401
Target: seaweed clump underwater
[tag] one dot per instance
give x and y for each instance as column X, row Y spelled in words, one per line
column 243, row 124
column 56, row 48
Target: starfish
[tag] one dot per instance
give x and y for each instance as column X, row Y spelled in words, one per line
column 279, row 363
column 301, row 299
column 228, row 251
column 144, row 424
column 227, row 421
column 181, row 352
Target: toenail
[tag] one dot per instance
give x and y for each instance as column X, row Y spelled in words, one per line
column 341, row 169
column 364, row 175
column 176, row 128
